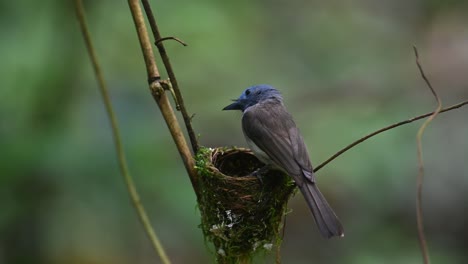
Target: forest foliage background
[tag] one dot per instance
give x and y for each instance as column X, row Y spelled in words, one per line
column 345, row 68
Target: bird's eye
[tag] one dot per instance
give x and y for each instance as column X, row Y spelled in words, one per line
column 247, row 92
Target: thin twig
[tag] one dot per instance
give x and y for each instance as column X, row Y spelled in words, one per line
column 419, row 212
column 135, row 198
column 357, row 142
column 160, row 96
column 170, row 38
column 167, row 64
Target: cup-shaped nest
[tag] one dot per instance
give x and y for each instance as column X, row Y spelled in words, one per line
column 241, row 215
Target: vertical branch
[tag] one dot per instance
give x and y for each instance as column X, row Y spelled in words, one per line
column 419, row 212
column 167, row 64
column 117, row 139
column 157, row 90
column 151, row 68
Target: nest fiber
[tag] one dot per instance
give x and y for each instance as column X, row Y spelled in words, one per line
column 241, row 216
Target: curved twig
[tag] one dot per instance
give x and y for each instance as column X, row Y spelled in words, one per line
column 134, row 196
column 419, row 212
column 170, row 38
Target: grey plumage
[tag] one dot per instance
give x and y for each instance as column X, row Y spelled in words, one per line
column 275, row 139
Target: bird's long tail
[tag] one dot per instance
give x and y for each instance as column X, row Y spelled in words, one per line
column 326, row 220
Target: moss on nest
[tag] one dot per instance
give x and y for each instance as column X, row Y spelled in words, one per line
column 240, row 215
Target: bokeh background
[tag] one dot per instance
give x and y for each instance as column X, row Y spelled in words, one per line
column 345, row 68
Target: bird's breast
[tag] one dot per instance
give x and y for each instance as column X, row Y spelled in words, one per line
column 262, row 156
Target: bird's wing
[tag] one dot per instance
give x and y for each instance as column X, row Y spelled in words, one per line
column 273, row 130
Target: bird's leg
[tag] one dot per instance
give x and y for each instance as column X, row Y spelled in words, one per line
column 260, row 172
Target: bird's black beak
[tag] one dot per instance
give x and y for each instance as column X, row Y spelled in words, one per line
column 234, row 106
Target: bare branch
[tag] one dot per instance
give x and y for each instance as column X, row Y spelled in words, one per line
column 170, row 72
column 170, row 38
column 419, row 212
column 359, row 141
column 158, row 93
column 134, row 196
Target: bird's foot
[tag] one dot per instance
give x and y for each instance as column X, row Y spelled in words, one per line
column 259, row 173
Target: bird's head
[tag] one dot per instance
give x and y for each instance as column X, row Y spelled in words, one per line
column 254, row 95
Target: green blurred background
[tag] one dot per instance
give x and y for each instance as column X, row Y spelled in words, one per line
column 345, row 68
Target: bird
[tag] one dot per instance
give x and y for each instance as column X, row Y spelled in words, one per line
column 274, row 138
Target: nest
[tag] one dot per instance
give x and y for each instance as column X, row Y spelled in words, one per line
column 241, row 216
